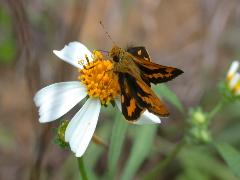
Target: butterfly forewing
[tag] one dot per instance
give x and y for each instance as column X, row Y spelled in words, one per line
column 139, row 52
column 152, row 72
column 156, row 73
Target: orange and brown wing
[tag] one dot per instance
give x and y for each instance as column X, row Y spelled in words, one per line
column 152, row 72
column 139, row 52
column 145, row 97
column 130, row 108
column 156, row 73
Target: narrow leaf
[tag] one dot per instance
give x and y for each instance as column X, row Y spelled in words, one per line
column 169, row 96
column 141, row 148
column 117, row 139
column 95, row 151
column 203, row 160
column 231, row 156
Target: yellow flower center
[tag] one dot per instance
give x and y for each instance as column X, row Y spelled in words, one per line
column 99, row 78
column 229, row 77
column 236, row 89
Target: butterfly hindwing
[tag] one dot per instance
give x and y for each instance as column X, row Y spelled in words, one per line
column 130, row 108
column 139, row 52
column 145, row 97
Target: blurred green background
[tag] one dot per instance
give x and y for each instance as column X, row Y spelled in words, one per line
column 201, row 37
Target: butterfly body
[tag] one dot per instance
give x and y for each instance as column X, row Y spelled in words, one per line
column 135, row 73
column 124, row 63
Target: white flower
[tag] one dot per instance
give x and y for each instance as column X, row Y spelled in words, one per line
column 57, row 99
column 233, row 78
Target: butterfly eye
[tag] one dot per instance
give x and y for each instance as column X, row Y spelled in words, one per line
column 116, row 58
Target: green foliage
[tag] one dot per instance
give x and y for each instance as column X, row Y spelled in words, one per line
column 117, row 138
column 7, row 41
column 197, row 117
column 7, row 51
column 143, row 143
column 82, row 168
column 168, row 95
column 7, row 140
column 192, row 173
column 227, row 93
column 69, row 169
column 95, row 151
column 230, row 155
column 199, row 135
column 230, row 134
column 198, row 162
column 198, row 122
column 60, row 137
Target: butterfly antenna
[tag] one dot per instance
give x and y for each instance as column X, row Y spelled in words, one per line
column 108, row 35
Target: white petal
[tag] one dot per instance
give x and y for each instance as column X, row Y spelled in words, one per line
column 54, row 89
column 73, row 53
column 57, row 99
column 233, row 69
column 145, row 118
column 233, row 82
column 82, row 126
column 148, row 118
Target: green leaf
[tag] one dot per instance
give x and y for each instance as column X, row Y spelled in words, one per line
column 169, row 96
column 8, row 42
column 69, row 169
column 117, row 139
column 7, row 140
column 140, row 150
column 230, row 133
column 202, row 159
column 7, row 51
column 95, row 151
column 192, row 173
column 231, row 156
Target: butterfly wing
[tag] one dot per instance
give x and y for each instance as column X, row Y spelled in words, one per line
column 144, row 96
column 152, row 72
column 142, row 53
column 130, row 108
column 156, row 73
column 139, row 52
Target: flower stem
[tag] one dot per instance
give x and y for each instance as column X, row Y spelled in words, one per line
column 215, row 110
column 82, row 169
column 152, row 174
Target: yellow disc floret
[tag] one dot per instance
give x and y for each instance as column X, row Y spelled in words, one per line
column 99, row 78
column 236, row 89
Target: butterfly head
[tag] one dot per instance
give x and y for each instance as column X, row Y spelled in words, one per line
column 116, row 53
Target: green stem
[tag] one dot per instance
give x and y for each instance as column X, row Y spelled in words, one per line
column 215, row 110
column 82, row 169
column 152, row 174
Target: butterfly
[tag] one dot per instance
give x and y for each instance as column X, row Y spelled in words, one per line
column 136, row 72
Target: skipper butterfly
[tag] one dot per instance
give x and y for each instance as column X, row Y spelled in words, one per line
column 136, row 72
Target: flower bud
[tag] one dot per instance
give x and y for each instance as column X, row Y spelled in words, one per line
column 60, row 139
column 200, row 135
column 197, row 117
column 233, row 79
